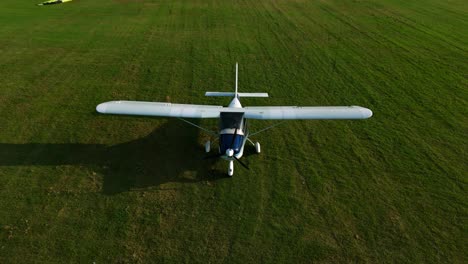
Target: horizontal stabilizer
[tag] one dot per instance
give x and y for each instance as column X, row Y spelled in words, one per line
column 229, row 94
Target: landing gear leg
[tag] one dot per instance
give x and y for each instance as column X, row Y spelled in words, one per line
column 231, row 168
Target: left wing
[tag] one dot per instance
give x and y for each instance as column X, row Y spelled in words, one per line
column 159, row 109
column 307, row 112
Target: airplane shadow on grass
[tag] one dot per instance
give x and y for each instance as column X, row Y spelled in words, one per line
column 171, row 153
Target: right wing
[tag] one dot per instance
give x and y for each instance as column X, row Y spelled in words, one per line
column 307, row 112
column 159, row 109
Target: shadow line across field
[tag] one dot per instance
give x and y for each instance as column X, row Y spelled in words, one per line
column 165, row 155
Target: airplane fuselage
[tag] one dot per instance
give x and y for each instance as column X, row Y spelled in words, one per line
column 233, row 132
column 230, row 139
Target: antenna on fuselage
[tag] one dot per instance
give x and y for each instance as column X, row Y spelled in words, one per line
column 237, row 79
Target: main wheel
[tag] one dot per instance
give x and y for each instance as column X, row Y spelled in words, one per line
column 257, row 147
column 207, row 146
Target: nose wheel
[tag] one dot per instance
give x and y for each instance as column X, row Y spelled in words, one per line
column 231, row 168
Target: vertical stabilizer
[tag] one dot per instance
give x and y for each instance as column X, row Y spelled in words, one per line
column 237, row 79
column 236, row 93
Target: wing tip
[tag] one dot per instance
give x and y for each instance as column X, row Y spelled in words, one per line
column 101, row 108
column 366, row 113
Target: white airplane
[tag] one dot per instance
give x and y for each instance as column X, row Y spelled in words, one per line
column 233, row 131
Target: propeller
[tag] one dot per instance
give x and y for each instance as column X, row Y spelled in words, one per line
column 242, row 163
column 214, row 156
column 233, row 138
column 221, row 154
column 229, row 152
column 232, row 150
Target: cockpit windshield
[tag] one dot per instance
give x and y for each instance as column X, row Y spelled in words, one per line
column 231, row 120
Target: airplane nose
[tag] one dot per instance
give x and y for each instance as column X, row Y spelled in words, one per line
column 229, row 152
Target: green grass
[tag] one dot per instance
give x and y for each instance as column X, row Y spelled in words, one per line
column 76, row 186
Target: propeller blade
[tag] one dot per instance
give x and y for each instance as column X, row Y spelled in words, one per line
column 242, row 163
column 233, row 138
column 213, row 156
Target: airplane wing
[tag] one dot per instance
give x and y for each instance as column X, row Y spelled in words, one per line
column 213, row 111
column 159, row 109
column 309, row 112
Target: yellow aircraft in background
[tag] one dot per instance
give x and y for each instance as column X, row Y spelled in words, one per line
column 52, row 2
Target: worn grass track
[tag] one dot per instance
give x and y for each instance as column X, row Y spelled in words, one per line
column 80, row 187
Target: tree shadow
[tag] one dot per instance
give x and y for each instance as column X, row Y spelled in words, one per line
column 171, row 153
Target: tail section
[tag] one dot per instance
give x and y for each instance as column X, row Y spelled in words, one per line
column 237, row 79
column 236, row 94
column 229, row 94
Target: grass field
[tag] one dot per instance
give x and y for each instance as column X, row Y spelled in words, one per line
column 76, row 186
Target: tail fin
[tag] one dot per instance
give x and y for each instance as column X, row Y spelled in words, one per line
column 236, row 94
column 237, row 80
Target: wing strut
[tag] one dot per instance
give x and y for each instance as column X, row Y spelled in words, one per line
column 266, row 128
column 201, row 128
